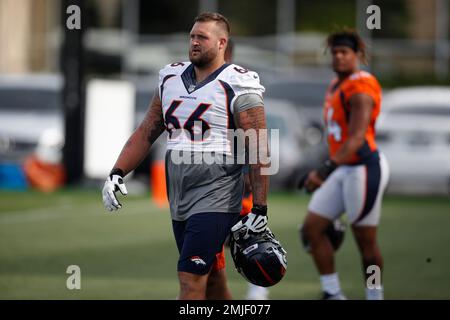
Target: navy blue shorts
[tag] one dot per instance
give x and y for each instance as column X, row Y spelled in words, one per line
column 200, row 238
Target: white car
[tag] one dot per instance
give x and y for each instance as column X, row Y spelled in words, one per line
column 413, row 132
column 29, row 105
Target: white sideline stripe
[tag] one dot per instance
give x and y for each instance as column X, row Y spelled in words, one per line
column 42, row 214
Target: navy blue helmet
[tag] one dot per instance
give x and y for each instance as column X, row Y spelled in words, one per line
column 260, row 258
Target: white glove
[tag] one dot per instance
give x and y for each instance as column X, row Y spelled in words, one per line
column 113, row 184
column 251, row 223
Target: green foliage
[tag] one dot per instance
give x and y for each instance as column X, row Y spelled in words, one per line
column 405, row 80
column 325, row 16
column 394, row 19
column 250, row 17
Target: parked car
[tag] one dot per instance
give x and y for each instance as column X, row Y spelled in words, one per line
column 293, row 147
column 413, row 132
column 28, row 106
column 305, row 95
column 308, row 97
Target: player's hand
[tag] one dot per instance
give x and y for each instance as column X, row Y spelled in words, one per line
column 253, row 223
column 113, row 184
column 313, row 181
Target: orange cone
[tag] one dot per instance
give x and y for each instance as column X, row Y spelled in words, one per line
column 158, row 183
column 46, row 177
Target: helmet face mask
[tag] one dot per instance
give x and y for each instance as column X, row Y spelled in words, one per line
column 260, row 258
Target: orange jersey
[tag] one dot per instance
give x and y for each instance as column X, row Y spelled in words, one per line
column 337, row 112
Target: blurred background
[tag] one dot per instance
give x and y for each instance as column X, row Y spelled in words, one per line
column 76, row 78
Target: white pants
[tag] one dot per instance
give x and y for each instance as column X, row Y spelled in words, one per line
column 356, row 190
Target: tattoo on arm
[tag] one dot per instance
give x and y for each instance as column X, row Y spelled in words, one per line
column 153, row 123
column 255, row 119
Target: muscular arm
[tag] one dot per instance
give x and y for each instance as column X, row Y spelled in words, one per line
column 254, row 118
column 138, row 145
column 361, row 109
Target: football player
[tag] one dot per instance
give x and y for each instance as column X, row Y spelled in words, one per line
column 198, row 102
column 354, row 177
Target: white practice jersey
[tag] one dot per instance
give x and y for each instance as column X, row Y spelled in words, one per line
column 198, row 115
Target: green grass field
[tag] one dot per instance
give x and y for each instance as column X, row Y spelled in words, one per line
column 132, row 255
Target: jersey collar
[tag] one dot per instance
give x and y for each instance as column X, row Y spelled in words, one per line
column 189, row 81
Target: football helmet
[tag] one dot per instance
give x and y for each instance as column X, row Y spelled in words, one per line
column 335, row 233
column 259, row 258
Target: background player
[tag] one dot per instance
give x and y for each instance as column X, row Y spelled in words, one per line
column 354, row 178
column 205, row 96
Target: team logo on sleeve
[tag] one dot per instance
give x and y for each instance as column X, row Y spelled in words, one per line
column 198, row 260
